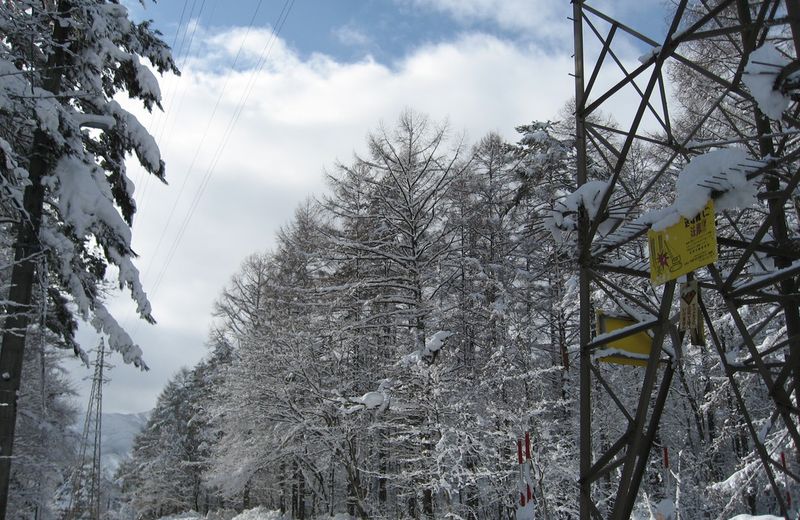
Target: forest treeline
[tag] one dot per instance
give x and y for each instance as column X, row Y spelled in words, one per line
column 382, row 358
column 404, row 331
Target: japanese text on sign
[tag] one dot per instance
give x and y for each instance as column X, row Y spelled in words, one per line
column 683, row 247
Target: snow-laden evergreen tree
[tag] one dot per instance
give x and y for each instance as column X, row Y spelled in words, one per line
column 45, row 445
column 160, row 479
column 63, row 64
column 64, row 192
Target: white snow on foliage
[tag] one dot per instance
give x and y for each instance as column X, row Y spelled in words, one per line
column 718, row 170
column 647, row 56
column 144, row 144
column 564, row 215
column 94, row 121
column 760, row 74
column 85, row 200
column 432, row 345
column 372, row 400
column 86, row 204
column 378, row 399
column 436, row 341
column 118, row 339
column 588, row 195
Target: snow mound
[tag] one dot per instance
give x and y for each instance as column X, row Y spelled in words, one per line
column 759, row 517
column 189, row 515
column 259, row 513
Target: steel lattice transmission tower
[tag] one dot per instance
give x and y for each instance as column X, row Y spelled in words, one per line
column 758, row 263
column 85, row 499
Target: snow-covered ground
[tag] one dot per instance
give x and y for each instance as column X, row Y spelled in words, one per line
column 258, row 513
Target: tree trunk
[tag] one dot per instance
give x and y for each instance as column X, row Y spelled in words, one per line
column 22, row 274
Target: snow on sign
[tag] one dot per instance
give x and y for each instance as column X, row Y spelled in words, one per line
column 631, row 350
column 683, row 247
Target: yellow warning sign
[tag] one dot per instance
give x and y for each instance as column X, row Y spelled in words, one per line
column 683, row 247
column 630, row 350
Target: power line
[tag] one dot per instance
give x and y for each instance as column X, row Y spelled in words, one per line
column 284, row 14
column 164, row 121
column 143, row 174
column 202, row 141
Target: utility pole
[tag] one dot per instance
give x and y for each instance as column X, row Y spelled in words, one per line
column 27, row 249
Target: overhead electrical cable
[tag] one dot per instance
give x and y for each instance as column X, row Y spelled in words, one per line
column 202, row 140
column 143, row 174
column 182, row 66
column 284, row 14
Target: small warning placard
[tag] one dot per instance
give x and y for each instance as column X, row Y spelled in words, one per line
column 691, row 316
column 683, row 247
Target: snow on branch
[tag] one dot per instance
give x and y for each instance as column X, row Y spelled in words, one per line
column 85, row 200
column 377, row 400
column 717, row 174
column 118, row 339
column 429, row 352
column 138, row 139
column 564, row 214
column 761, row 77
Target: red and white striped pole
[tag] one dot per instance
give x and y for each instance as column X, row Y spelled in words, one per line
column 528, row 460
column 522, row 497
column 788, row 495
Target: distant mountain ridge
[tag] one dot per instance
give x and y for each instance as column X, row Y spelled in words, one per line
column 118, row 432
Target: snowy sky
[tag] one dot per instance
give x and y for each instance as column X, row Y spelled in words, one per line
column 336, row 70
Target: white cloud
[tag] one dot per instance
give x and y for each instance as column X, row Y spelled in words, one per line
column 545, row 17
column 301, row 116
column 540, row 20
column 351, row 36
